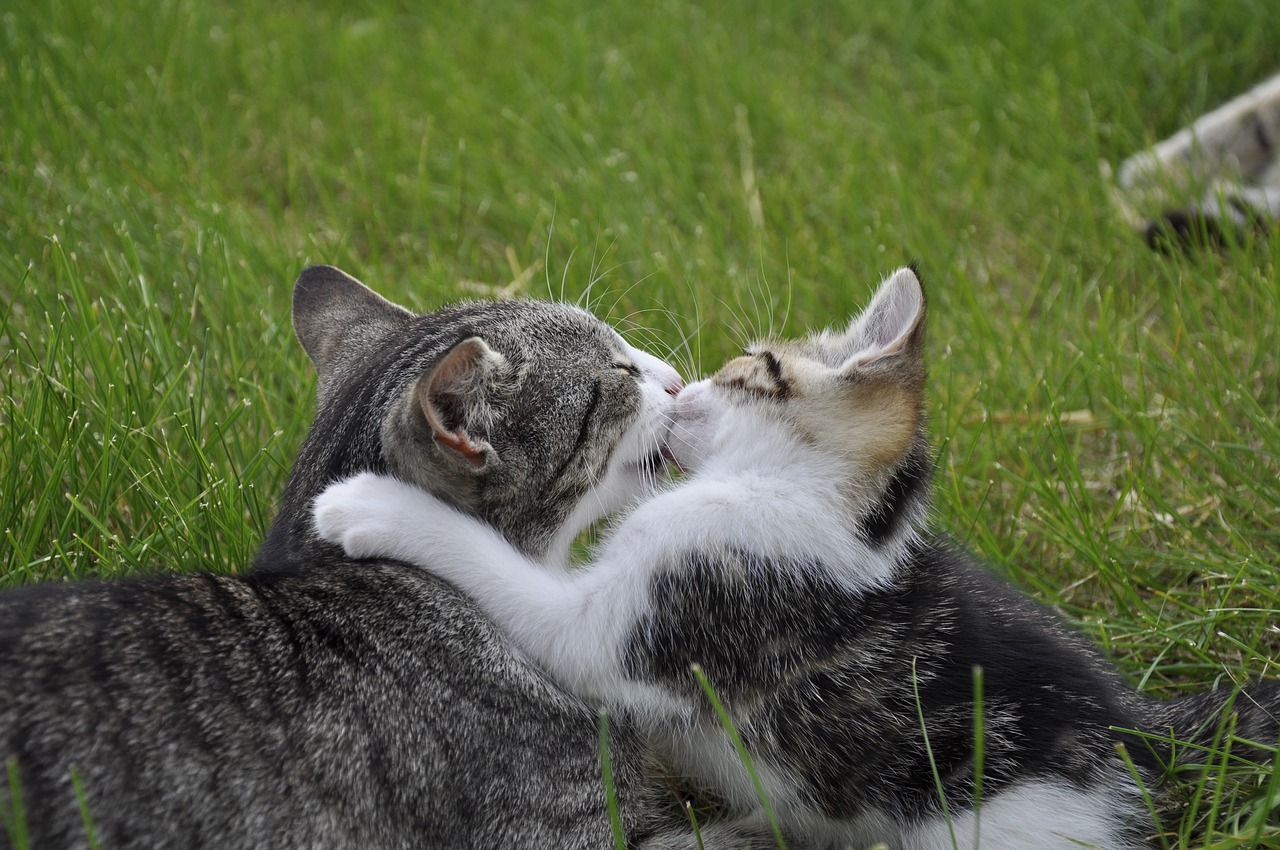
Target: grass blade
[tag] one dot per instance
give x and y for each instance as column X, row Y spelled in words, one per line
column 933, row 765
column 727, row 722
column 610, row 789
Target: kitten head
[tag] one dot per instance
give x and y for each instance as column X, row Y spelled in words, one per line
column 844, row 408
column 536, row 417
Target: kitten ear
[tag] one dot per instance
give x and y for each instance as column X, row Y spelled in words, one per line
column 455, row 392
column 334, row 313
column 893, row 323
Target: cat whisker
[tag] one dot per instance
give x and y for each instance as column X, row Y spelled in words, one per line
column 736, row 325
column 598, row 274
column 786, row 310
column 644, row 337
column 552, row 294
column 620, row 296
column 564, row 276
column 752, row 290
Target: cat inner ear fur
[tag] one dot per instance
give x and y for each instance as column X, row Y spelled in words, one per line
column 892, row 324
column 335, row 316
column 456, row 397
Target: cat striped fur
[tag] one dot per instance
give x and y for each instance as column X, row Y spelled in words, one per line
column 317, row 702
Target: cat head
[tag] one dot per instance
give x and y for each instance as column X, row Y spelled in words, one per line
column 844, row 407
column 536, row 417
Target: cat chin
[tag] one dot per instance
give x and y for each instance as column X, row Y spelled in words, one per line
column 643, row 479
column 626, row 485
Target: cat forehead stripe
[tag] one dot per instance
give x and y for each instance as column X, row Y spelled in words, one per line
column 758, row 374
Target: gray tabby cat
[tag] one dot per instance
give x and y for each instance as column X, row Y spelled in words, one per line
column 796, row 567
column 317, row 702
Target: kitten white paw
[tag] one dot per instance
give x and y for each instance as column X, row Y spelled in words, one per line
column 364, row 514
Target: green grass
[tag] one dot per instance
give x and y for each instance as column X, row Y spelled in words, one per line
column 1107, row 417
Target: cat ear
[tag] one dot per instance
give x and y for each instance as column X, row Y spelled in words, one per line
column 455, row 392
column 334, row 313
column 892, row 324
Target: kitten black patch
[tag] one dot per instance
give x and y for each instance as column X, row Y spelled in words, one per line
column 781, row 386
column 830, row 683
column 908, row 486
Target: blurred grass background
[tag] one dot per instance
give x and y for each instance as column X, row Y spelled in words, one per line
column 1107, row 417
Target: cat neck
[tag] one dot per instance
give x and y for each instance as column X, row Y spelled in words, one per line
column 865, row 518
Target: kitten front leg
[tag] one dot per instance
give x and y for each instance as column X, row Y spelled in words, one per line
column 571, row 624
column 377, row 516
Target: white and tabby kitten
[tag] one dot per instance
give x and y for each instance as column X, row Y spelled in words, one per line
column 795, row 567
